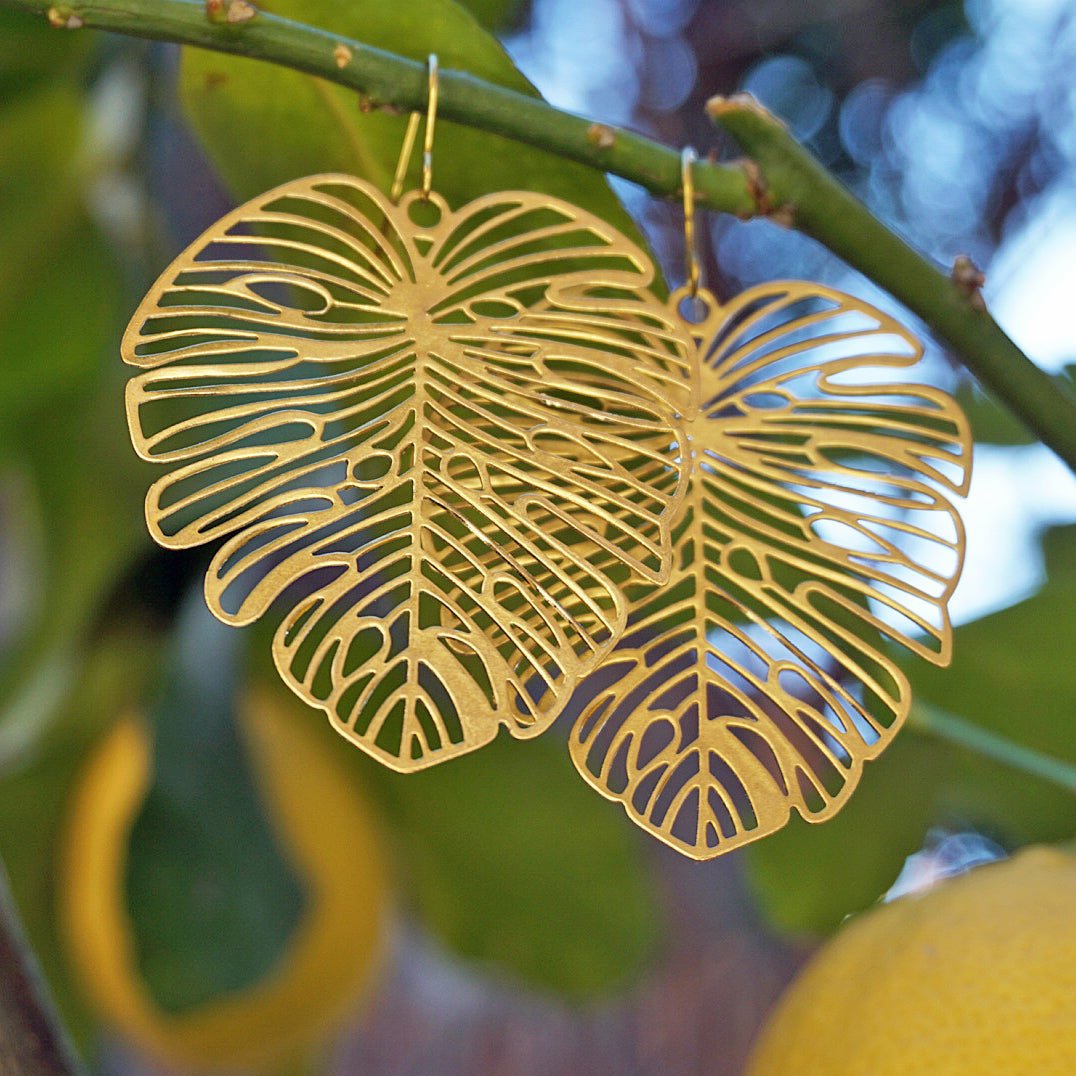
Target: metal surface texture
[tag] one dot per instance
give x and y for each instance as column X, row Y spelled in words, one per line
column 439, row 442
column 817, row 532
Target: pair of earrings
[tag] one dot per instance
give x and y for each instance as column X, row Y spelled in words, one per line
column 491, row 477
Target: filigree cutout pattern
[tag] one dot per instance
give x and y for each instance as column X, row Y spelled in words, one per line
column 817, row 531
column 441, row 440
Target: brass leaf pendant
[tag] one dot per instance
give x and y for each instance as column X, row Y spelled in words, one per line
column 816, row 532
column 441, row 441
column 483, row 473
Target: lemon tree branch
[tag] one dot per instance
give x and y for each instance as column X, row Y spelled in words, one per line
column 793, row 186
column 781, row 180
column 384, row 80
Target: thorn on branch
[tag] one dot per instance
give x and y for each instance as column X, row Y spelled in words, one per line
column 63, row 18
column 756, row 187
column 783, row 215
column 969, row 280
column 240, row 11
column 601, row 136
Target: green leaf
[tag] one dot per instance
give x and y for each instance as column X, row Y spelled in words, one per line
column 63, row 442
column 68, row 458
column 1012, row 675
column 497, row 14
column 35, row 795
column 32, row 52
column 59, row 292
column 513, row 861
column 212, row 898
column 83, row 493
column 264, row 124
column 67, row 313
column 807, row 878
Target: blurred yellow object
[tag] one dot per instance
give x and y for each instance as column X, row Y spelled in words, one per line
column 323, row 825
column 974, row 976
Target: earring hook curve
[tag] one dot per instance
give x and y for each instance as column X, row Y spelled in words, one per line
column 431, row 116
column 427, row 141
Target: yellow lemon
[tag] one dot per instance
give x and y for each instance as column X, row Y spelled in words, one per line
column 323, row 824
column 976, row 976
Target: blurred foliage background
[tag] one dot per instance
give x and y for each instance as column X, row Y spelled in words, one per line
column 501, row 918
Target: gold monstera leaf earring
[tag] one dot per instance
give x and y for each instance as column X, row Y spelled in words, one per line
column 439, row 440
column 486, row 474
column 817, row 531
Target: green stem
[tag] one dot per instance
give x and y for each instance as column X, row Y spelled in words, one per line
column 783, row 179
column 945, row 726
column 385, row 80
column 793, row 186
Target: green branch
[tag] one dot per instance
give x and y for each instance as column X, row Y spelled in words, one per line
column 782, row 180
column 930, row 720
column 793, row 186
column 384, row 80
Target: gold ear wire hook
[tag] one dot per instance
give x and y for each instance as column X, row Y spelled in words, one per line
column 688, row 157
column 431, row 116
column 427, row 142
column 405, row 155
